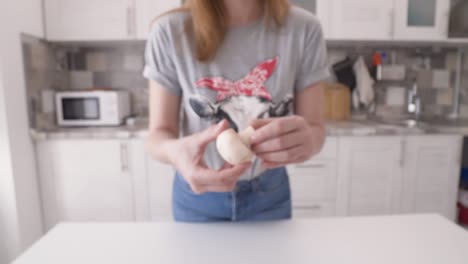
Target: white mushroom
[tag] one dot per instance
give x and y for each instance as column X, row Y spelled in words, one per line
column 235, row 148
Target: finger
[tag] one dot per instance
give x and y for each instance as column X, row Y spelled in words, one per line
column 274, row 129
column 206, row 176
column 210, row 134
column 258, row 123
column 226, row 166
column 288, row 155
column 283, row 142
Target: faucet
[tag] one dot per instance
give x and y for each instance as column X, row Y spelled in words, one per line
column 414, row 101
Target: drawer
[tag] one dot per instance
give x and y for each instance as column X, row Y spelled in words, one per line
column 313, row 181
column 314, row 210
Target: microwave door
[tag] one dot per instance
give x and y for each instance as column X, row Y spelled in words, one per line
column 81, row 109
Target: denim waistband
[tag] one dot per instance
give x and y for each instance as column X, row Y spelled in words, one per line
column 269, row 176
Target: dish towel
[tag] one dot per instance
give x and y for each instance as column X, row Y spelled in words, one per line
column 365, row 94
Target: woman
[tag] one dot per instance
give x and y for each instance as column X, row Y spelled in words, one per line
column 235, row 63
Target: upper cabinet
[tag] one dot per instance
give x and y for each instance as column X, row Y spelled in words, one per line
column 421, row 19
column 89, row 20
column 102, row 20
column 148, row 10
column 389, row 20
column 362, row 19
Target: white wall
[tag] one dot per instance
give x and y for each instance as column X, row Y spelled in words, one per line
column 8, row 220
column 20, row 216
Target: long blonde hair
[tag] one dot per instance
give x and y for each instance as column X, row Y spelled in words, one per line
column 208, row 22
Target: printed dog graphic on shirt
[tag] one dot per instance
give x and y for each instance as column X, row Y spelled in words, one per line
column 242, row 101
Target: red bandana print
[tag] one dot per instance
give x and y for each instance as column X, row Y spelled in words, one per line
column 251, row 85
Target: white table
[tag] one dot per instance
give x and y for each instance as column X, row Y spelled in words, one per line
column 418, row 239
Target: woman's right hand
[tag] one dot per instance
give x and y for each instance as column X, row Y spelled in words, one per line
column 187, row 157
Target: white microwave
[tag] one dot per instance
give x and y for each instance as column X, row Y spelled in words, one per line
column 92, row 108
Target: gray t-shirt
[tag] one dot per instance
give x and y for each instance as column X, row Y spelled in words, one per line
column 255, row 74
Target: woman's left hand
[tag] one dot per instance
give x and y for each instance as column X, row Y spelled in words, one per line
column 287, row 140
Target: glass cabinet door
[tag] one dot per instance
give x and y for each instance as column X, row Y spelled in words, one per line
column 422, row 19
column 422, row 13
column 310, row 5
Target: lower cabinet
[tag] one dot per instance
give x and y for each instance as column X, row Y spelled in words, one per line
column 85, row 180
column 160, row 179
column 431, row 174
column 313, row 184
column 115, row 180
column 153, row 185
column 394, row 175
column 369, row 175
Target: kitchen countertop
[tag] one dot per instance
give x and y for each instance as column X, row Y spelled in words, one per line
column 417, row 239
column 121, row 132
column 345, row 128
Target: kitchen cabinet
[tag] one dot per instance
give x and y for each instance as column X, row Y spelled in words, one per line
column 85, row 180
column 369, row 175
column 432, row 167
column 313, row 183
column 89, row 20
column 421, row 19
column 148, row 10
column 86, row 20
column 160, row 178
column 152, row 184
column 389, row 20
column 362, row 19
column 116, row 180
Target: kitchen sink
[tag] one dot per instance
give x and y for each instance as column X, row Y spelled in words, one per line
column 423, row 125
column 400, row 122
column 401, row 125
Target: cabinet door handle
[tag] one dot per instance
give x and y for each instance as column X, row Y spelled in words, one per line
column 131, row 18
column 309, row 207
column 403, row 153
column 310, row 166
column 123, row 157
column 446, row 25
column 392, row 22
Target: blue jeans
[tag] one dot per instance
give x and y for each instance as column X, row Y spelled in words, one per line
column 264, row 198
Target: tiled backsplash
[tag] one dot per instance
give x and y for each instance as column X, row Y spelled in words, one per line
column 51, row 67
column 44, row 74
column 432, row 68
